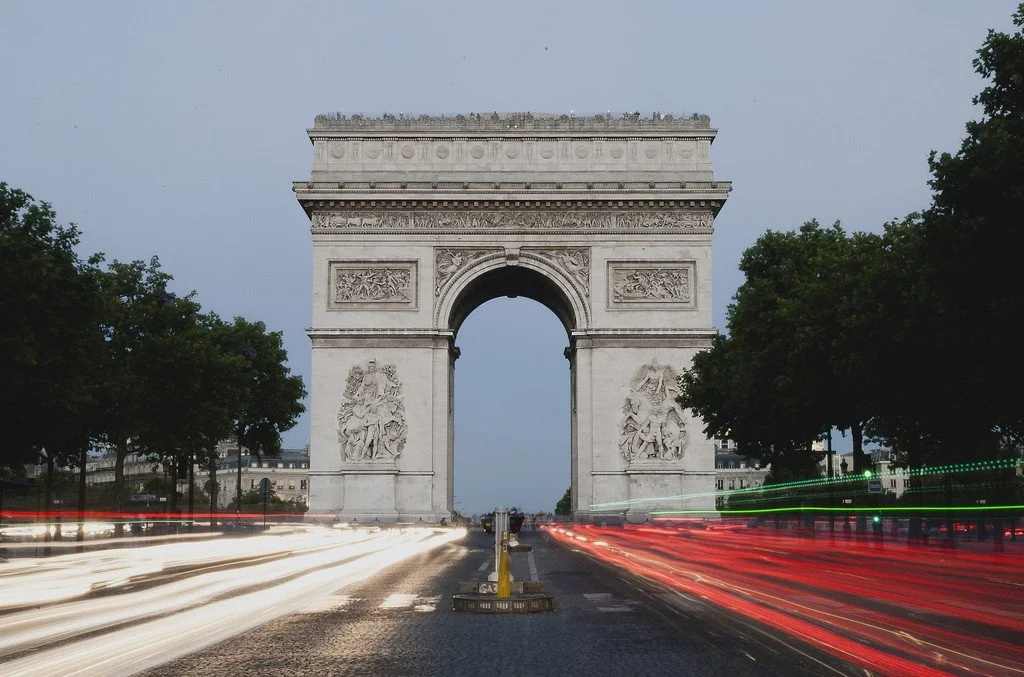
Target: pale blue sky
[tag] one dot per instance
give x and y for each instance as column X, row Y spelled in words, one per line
column 175, row 128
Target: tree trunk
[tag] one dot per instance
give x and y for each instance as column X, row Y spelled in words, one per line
column 120, row 455
column 80, row 536
column 191, row 492
column 213, row 493
column 860, row 462
column 238, row 496
column 859, row 466
column 48, row 503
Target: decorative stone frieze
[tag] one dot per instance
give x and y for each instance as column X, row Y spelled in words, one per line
column 512, row 221
column 371, row 420
column 366, row 285
column 653, row 284
column 653, row 425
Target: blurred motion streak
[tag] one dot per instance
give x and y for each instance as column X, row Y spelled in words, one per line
column 894, row 609
column 119, row 611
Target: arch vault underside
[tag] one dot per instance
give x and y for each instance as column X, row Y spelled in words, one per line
column 415, row 223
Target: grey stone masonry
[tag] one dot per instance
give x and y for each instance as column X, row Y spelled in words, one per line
column 416, row 221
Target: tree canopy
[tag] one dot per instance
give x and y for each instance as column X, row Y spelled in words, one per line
column 905, row 335
column 102, row 353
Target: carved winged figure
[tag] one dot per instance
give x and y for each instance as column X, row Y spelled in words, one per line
column 653, row 425
column 371, row 421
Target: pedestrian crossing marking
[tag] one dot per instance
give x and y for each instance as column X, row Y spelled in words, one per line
column 398, row 600
column 608, row 603
column 428, row 603
column 328, row 603
column 597, row 596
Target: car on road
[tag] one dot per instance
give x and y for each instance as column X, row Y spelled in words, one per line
column 515, row 521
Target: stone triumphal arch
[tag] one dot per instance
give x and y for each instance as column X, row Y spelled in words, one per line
column 417, row 221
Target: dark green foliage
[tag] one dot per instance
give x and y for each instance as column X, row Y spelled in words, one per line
column 564, row 505
column 48, row 334
column 92, row 353
column 907, row 336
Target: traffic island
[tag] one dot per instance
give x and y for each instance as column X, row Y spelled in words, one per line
column 499, row 594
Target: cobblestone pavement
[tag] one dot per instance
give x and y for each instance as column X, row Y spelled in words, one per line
column 400, row 622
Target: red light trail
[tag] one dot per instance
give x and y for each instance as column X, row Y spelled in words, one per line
column 887, row 607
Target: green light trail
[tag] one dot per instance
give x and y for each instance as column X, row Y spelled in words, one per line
column 815, row 508
column 956, row 468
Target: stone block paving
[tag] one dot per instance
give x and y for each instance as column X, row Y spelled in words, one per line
column 400, row 622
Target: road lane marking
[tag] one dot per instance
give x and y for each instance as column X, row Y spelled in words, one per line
column 598, row 596
column 483, row 565
column 398, row 600
column 533, row 566
column 618, row 608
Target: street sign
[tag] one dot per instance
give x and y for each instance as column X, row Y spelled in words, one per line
column 141, row 498
column 874, row 486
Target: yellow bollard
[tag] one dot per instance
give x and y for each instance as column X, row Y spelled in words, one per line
column 504, row 575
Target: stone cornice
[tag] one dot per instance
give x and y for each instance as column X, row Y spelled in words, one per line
column 512, row 124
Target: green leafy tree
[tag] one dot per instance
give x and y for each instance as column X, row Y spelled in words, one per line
column 564, row 505
column 270, row 397
column 48, row 335
column 975, row 232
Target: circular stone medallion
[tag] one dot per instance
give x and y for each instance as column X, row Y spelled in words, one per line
column 547, row 151
column 477, row 152
column 617, row 152
column 512, row 151
column 651, row 152
column 337, row 150
column 582, row 152
column 408, row 152
column 373, row 151
column 442, row 152
column 686, row 153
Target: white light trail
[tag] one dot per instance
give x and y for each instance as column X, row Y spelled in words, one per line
column 306, row 566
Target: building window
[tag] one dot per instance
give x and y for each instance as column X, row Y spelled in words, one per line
column 302, row 484
column 732, row 484
column 303, row 465
column 252, row 484
column 741, row 484
column 291, row 487
column 892, row 484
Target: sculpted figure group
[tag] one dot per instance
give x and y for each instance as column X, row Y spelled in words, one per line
column 371, row 422
column 653, row 423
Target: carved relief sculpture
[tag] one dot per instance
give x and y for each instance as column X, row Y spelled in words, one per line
column 373, row 284
column 575, row 262
column 653, row 426
column 370, row 285
column 524, row 221
column 371, row 421
column 450, row 261
column 651, row 284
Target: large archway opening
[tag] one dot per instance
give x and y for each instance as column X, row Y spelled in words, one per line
column 512, row 393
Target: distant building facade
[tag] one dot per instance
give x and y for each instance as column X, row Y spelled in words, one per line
column 288, row 473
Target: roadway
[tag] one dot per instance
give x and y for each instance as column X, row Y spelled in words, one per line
column 317, row 601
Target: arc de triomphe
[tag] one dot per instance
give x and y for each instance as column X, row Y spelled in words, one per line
column 416, row 222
